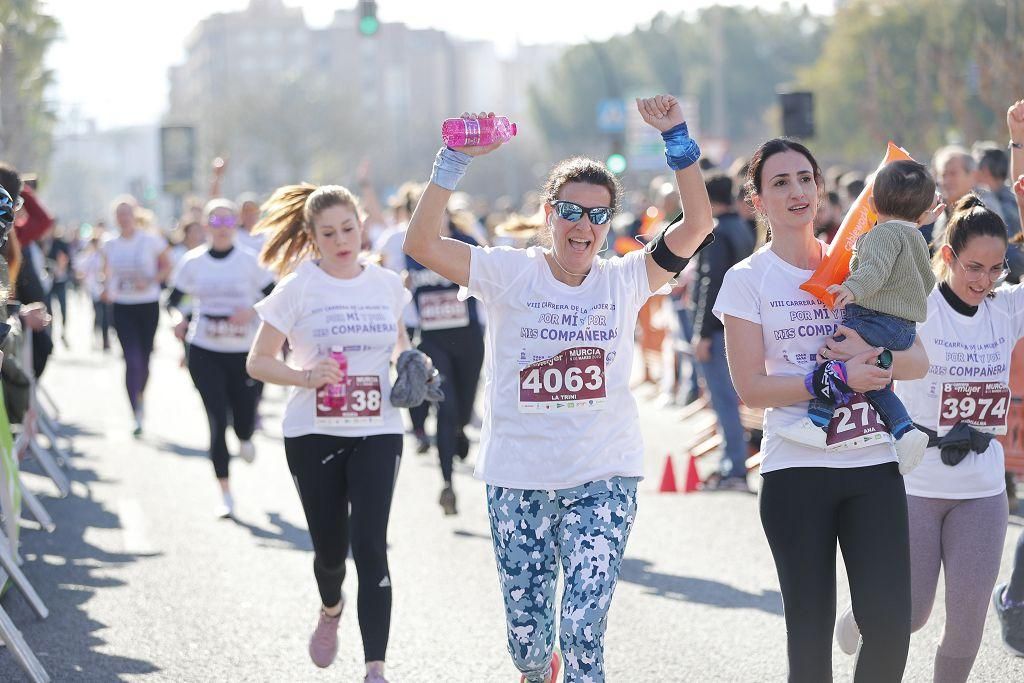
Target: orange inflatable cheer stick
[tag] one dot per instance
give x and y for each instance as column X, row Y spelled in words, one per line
column 859, row 219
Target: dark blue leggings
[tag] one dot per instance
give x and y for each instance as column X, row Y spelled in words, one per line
column 135, row 325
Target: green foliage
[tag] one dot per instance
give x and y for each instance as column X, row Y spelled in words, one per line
column 757, row 53
column 26, row 118
column 919, row 72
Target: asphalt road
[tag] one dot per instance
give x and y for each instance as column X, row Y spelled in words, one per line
column 145, row 584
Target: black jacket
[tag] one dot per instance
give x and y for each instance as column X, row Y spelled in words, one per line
column 734, row 242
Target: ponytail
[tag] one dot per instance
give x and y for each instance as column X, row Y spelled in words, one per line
column 288, row 219
column 970, row 218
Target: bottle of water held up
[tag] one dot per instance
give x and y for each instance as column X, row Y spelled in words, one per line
column 337, row 394
column 471, row 132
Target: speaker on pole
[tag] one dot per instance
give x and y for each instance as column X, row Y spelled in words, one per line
column 797, row 114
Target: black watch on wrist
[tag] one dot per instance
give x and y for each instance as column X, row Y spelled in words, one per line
column 884, row 359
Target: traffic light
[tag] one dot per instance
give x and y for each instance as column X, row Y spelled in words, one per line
column 616, row 163
column 368, row 22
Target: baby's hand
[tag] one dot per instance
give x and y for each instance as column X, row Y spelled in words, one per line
column 842, row 294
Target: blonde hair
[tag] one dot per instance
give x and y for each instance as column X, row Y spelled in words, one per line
column 288, row 220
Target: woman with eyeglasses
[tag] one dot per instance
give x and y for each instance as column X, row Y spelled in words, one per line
column 451, row 334
column 956, row 497
column 223, row 282
column 137, row 263
column 561, row 449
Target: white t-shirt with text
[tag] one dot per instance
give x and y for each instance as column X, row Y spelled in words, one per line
column 219, row 288
column 764, row 289
column 317, row 312
column 966, row 355
column 558, row 411
column 133, row 267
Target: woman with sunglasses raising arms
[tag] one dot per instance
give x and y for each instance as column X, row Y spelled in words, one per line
column 138, row 263
column 561, row 449
column 956, row 497
column 224, row 282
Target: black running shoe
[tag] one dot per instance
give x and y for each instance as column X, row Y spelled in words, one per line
column 1011, row 619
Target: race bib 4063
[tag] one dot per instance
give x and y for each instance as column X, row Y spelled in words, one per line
column 571, row 380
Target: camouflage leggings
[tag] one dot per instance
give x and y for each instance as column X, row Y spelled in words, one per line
column 586, row 527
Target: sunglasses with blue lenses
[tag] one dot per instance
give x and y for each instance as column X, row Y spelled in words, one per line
column 571, row 211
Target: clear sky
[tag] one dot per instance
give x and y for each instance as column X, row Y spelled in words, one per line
column 111, row 63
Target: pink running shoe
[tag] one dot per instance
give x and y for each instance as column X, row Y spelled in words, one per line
column 556, row 667
column 323, row 644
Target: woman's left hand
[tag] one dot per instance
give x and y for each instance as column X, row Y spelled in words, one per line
column 661, row 111
column 851, row 345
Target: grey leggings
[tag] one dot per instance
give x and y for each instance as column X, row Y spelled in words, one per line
column 966, row 537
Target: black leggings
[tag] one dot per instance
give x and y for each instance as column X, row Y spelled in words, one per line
column 457, row 354
column 101, row 320
column 224, row 385
column 331, row 473
column 804, row 511
column 135, row 325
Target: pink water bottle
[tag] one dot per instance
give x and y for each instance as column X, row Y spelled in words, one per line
column 470, row 132
column 337, row 394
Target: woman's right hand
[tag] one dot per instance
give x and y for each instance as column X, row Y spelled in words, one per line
column 478, row 150
column 1015, row 121
column 326, row 371
column 863, row 375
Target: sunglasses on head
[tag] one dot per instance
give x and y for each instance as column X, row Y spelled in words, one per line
column 223, row 221
column 571, row 211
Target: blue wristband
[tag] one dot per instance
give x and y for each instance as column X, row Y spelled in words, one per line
column 681, row 151
column 449, row 167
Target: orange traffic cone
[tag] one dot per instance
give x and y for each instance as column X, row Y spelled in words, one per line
column 668, row 477
column 692, row 477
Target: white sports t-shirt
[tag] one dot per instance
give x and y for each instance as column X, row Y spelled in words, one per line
column 967, row 356
column 558, row 411
column 220, row 287
column 89, row 264
column 389, row 246
column 133, row 260
column 362, row 314
column 249, row 241
column 765, row 290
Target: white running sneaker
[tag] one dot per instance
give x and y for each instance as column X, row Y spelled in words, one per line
column 226, row 510
column 910, row 449
column 847, row 632
column 804, row 432
column 246, row 451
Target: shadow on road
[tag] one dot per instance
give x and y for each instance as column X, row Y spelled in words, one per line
column 67, row 571
column 703, row 591
column 166, row 446
column 286, row 535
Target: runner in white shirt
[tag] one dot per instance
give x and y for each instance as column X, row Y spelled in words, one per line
column 223, row 283
column 90, row 266
column 342, row 437
column 137, row 263
column 957, row 496
column 811, row 497
column 560, row 448
column 249, row 216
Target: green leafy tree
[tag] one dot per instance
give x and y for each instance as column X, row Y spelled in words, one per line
column 920, row 72
column 26, row 118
